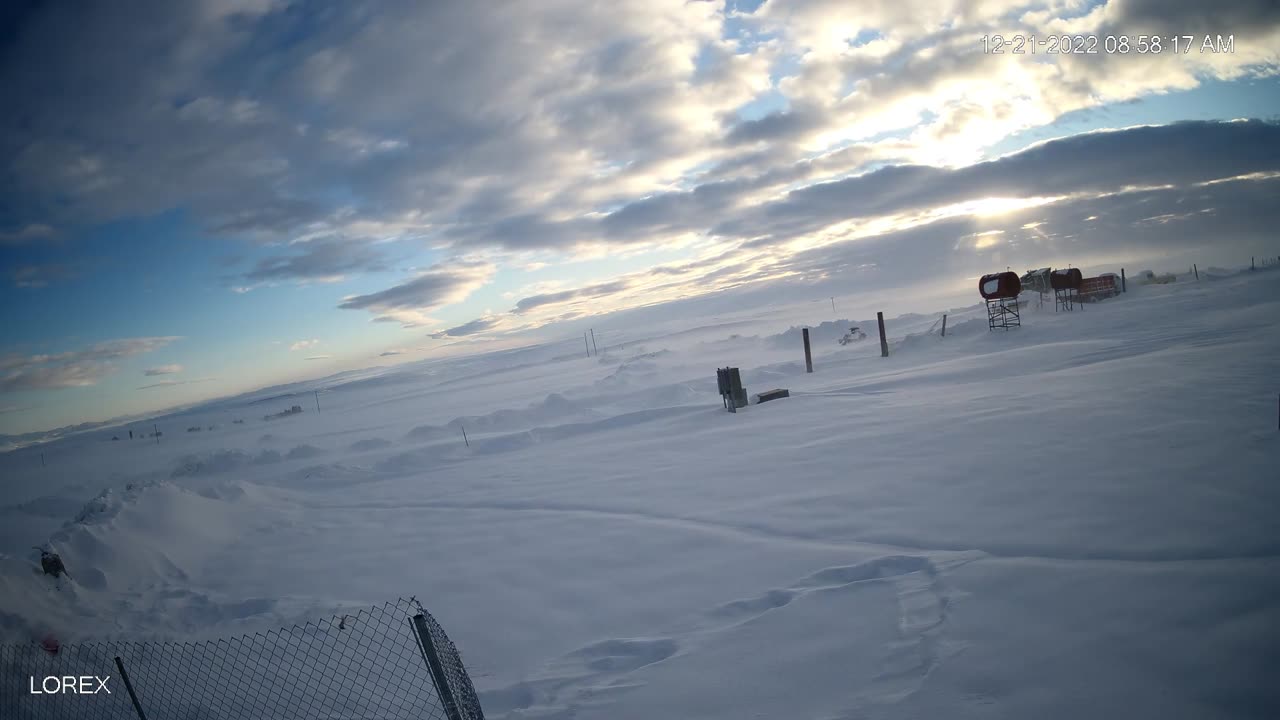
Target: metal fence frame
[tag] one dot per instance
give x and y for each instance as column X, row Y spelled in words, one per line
column 389, row 661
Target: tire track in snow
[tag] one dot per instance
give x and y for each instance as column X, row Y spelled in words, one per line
column 592, row 674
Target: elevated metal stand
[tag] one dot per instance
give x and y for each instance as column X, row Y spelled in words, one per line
column 1003, row 313
column 1066, row 300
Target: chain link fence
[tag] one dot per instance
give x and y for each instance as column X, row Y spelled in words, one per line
column 389, row 661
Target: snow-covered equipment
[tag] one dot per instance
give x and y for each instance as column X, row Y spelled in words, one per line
column 1001, row 291
column 853, row 335
column 1068, row 279
column 51, row 563
column 1066, row 288
column 1000, row 285
column 1037, row 281
column 1099, row 288
column 775, row 394
column 729, row 381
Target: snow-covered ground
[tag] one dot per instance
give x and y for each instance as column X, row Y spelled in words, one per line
column 1076, row 518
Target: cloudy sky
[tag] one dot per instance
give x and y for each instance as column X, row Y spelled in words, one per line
column 204, row 197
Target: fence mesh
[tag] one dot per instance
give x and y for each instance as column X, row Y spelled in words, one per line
column 389, row 661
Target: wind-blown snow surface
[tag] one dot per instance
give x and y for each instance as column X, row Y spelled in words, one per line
column 1072, row 519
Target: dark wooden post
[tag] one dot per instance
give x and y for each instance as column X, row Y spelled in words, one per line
column 1195, row 270
column 464, row 436
column 317, row 393
column 156, row 428
column 1124, row 284
column 1252, row 266
column 593, row 342
column 808, row 355
column 944, row 325
column 586, row 345
column 884, row 341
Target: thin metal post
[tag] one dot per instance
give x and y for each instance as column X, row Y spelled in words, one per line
column 1195, row 270
column 41, row 459
column 432, row 659
column 464, row 436
column 317, row 394
column 586, row 344
column 1252, row 266
column 884, row 341
column 137, row 706
column 593, row 342
column 808, row 354
column 156, row 428
column 944, row 324
column 1124, row 284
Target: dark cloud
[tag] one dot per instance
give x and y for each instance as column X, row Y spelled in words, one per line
column 408, row 302
column 319, row 260
column 556, row 298
column 428, row 290
column 781, row 125
column 162, row 370
column 468, row 328
column 273, row 119
column 173, row 383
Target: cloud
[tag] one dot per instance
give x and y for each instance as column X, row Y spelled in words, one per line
column 411, row 301
column 391, row 353
column 557, row 298
column 303, row 344
column 162, row 370
column 317, row 357
column 484, row 156
column 1091, row 163
column 735, row 137
column 327, row 260
column 26, row 233
column 173, row 383
column 39, row 276
column 76, row 368
column 468, row 328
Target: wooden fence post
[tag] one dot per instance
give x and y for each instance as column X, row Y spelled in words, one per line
column 1124, row 283
column 1195, row 270
column 884, row 341
column 808, row 355
column 944, row 324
